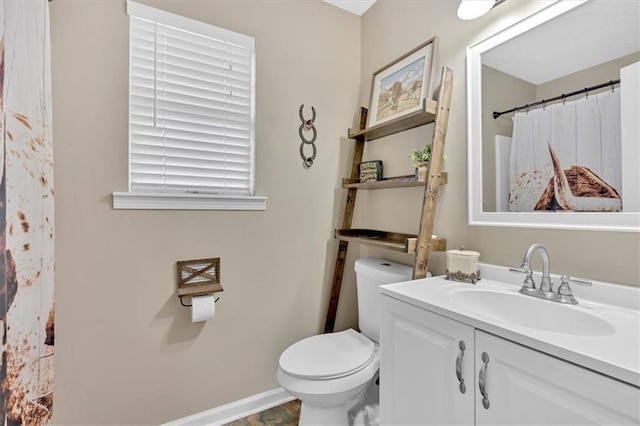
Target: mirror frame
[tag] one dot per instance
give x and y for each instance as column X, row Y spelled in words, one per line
column 621, row 221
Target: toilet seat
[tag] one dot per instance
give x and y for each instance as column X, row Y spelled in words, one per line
column 327, row 356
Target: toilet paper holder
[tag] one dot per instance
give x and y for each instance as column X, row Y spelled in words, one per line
column 189, row 306
column 198, row 277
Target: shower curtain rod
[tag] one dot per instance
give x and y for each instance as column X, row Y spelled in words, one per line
column 557, row 98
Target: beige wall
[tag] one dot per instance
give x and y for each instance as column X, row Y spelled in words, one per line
column 393, row 27
column 585, row 78
column 126, row 351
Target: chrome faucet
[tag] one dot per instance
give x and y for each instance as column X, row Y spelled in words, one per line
column 564, row 294
column 529, row 284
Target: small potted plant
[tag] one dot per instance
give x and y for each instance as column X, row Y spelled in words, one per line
column 421, row 162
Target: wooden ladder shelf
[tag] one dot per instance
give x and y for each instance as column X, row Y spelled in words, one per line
column 421, row 244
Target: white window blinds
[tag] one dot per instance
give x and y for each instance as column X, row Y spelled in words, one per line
column 191, row 106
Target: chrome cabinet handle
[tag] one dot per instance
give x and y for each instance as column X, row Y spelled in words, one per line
column 481, row 380
column 462, row 347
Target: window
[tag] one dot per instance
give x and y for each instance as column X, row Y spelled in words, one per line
column 191, row 115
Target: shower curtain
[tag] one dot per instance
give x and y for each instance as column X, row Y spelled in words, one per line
column 26, row 214
column 567, row 156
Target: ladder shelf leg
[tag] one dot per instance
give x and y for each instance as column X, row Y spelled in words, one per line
column 430, row 200
column 347, row 218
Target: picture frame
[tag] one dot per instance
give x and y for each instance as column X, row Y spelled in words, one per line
column 399, row 88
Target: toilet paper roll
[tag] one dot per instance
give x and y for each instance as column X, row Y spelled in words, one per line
column 203, row 308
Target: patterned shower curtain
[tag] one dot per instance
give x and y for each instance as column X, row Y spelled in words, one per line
column 567, row 156
column 26, row 214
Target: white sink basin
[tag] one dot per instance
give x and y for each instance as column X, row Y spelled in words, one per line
column 529, row 312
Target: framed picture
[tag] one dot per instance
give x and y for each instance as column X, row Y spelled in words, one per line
column 399, row 88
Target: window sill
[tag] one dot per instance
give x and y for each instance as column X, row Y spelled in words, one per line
column 154, row 201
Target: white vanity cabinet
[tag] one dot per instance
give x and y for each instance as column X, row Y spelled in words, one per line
column 418, row 378
column 527, row 386
column 419, row 384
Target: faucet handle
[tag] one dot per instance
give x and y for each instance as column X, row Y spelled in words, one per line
column 564, row 291
column 528, row 281
column 566, row 279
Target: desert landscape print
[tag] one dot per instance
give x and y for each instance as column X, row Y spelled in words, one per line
column 401, row 90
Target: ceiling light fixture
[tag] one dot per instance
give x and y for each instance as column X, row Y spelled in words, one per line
column 472, row 9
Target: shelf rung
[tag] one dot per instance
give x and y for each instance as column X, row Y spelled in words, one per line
column 406, row 243
column 425, row 115
column 438, row 244
column 391, row 182
column 397, row 241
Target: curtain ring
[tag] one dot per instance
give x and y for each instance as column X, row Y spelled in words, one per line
column 586, row 90
column 544, row 105
column 612, row 87
column 564, row 99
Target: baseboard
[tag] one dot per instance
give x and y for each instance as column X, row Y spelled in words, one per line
column 235, row 410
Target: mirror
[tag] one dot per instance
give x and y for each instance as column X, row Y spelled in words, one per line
column 562, row 150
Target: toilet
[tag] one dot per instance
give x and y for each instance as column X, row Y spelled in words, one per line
column 334, row 375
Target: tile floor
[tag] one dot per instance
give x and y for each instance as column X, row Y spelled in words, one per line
column 283, row 415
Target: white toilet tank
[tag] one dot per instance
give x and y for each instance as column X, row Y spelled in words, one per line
column 372, row 272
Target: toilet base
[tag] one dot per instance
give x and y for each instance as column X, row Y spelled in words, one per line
column 310, row 415
column 360, row 411
column 367, row 413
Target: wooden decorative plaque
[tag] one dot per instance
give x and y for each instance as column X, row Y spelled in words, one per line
column 198, row 276
column 370, row 171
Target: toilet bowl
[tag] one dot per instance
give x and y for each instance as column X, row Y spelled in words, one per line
column 335, row 374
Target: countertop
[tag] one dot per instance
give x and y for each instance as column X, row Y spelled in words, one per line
column 615, row 353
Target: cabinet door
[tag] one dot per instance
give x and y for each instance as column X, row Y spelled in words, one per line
column 525, row 386
column 418, row 380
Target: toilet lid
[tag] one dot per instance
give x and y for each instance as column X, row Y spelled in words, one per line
column 327, row 356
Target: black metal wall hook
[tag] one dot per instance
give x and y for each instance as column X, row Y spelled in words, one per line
column 307, row 125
